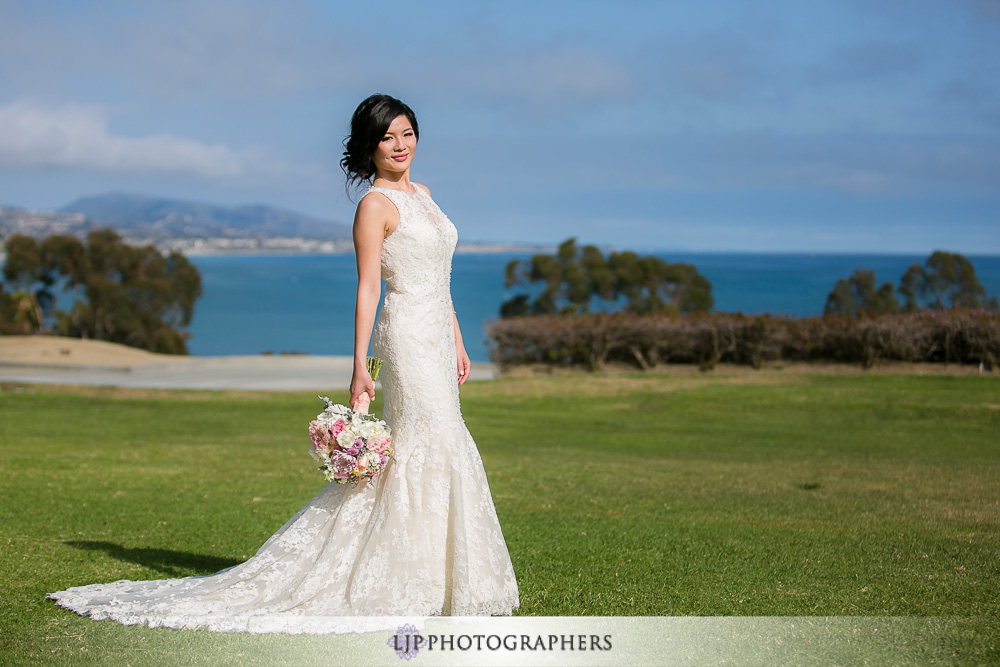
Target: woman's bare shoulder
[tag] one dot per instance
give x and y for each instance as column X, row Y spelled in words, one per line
column 376, row 205
column 375, row 201
column 376, row 211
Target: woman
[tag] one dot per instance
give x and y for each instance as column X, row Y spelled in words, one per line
column 425, row 540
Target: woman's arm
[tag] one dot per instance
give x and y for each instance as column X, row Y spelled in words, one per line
column 370, row 223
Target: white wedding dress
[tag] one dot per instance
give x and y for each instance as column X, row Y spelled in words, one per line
column 425, row 541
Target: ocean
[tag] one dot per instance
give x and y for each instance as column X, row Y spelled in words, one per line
column 305, row 303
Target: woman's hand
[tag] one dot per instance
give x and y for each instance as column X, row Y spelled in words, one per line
column 464, row 365
column 361, row 382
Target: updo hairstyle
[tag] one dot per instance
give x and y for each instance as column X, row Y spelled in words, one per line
column 369, row 124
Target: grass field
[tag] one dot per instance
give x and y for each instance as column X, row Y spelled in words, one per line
column 749, row 495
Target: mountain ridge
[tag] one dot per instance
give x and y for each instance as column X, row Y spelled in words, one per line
column 200, row 228
column 163, row 217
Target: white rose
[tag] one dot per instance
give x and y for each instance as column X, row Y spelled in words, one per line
column 345, row 438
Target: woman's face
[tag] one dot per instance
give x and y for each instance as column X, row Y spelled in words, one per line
column 395, row 152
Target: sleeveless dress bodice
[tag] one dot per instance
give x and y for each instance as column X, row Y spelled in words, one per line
column 416, row 257
column 415, row 333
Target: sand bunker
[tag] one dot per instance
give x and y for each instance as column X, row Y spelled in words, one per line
column 57, row 350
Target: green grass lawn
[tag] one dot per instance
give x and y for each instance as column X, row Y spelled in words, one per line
column 748, row 495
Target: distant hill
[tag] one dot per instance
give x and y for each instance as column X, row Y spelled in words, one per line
column 134, row 214
column 198, row 228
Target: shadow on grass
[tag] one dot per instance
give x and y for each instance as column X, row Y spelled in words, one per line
column 172, row 563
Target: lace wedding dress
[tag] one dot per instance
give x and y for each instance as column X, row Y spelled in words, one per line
column 425, row 541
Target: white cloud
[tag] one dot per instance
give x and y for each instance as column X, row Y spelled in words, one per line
column 76, row 136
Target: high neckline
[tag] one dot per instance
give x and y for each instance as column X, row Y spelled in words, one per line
column 385, row 187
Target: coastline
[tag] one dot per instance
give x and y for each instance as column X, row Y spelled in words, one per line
column 309, row 247
column 324, row 248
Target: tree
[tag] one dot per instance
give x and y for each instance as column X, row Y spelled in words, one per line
column 946, row 280
column 573, row 278
column 18, row 315
column 857, row 295
column 121, row 293
column 32, row 285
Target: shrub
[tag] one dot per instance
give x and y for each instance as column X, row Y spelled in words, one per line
column 593, row 340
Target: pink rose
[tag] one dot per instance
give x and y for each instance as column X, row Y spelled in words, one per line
column 379, row 445
column 320, row 435
column 362, row 463
column 337, row 428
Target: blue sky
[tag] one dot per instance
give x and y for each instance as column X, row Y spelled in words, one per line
column 830, row 125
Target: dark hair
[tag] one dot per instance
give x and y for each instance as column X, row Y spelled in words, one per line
column 368, row 126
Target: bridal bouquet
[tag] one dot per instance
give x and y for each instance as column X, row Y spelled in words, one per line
column 350, row 445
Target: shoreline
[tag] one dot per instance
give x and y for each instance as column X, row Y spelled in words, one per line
column 462, row 249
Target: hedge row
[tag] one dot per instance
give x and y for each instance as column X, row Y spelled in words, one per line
column 962, row 336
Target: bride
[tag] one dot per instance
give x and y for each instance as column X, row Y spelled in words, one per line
column 425, row 539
